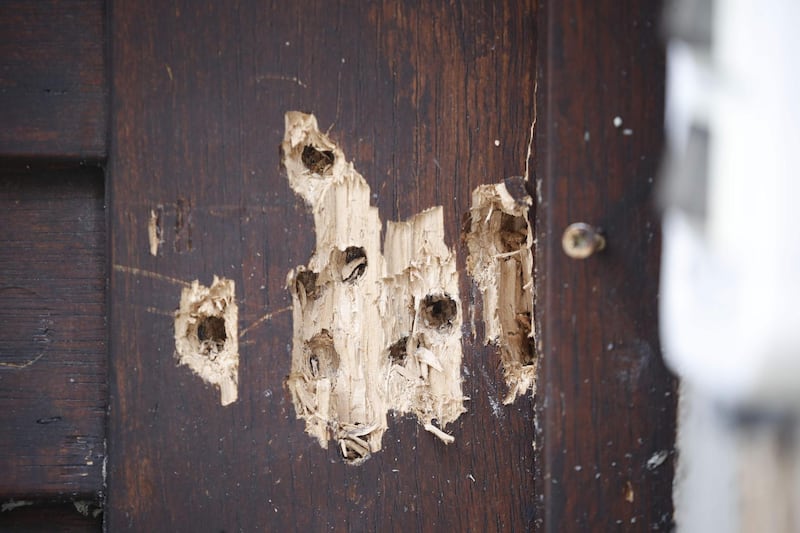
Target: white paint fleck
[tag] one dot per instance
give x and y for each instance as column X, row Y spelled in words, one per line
column 586, row 136
column 82, row 507
column 578, row 468
column 471, row 477
column 617, row 121
column 497, row 142
column 497, row 411
column 657, row 459
column 627, row 131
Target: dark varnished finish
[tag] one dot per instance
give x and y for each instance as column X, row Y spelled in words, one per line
column 416, row 93
column 53, row 338
column 53, row 90
column 52, row 518
column 606, row 404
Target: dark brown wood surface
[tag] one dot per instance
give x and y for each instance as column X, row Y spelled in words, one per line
column 416, row 94
column 606, row 405
column 53, row 372
column 52, row 517
column 53, row 90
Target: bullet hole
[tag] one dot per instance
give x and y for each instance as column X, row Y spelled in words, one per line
column 355, row 263
column 323, row 360
column 317, row 161
column 526, row 347
column 513, row 232
column 206, row 335
column 306, row 285
column 398, row 351
column 438, row 310
column 500, row 262
column 211, row 333
column 524, row 323
column 354, row 449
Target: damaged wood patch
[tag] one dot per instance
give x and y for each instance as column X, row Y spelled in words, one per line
column 499, row 239
column 206, row 337
column 154, row 229
column 374, row 328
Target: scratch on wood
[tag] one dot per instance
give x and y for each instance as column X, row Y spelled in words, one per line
column 22, row 365
column 183, row 226
column 157, row 311
column 532, row 132
column 264, row 318
column 152, row 275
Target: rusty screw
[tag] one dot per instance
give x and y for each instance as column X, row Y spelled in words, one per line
column 581, row 240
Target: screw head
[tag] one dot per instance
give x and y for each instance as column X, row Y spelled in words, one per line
column 580, row 240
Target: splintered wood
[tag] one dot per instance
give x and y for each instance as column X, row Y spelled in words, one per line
column 499, row 240
column 373, row 330
column 206, row 335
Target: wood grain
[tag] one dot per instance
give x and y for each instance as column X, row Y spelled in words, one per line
column 53, row 86
column 53, row 338
column 606, row 404
column 416, row 94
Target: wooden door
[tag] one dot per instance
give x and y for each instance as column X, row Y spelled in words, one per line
column 428, row 101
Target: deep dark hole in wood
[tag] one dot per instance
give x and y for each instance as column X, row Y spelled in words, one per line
column 438, row 310
column 513, row 232
column 307, row 282
column 212, row 329
column 352, row 455
column 317, row 161
column 355, row 259
column 398, row 351
column 323, row 359
column 526, row 343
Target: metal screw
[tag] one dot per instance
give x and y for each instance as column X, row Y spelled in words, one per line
column 581, row 240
